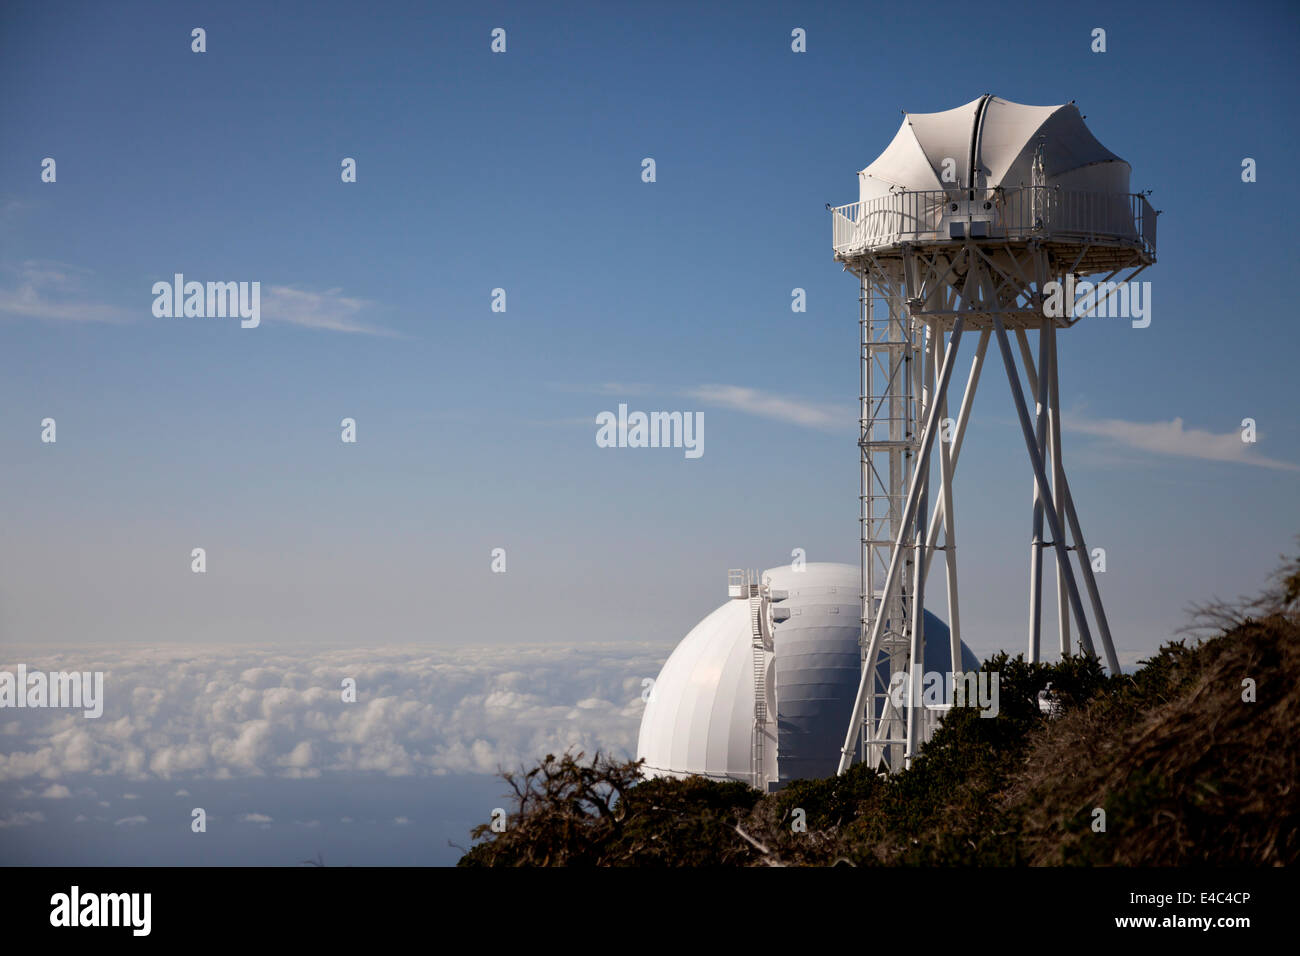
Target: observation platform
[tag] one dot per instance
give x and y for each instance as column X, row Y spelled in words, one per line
column 1085, row 232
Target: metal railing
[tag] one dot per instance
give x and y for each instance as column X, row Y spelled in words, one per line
column 1025, row 212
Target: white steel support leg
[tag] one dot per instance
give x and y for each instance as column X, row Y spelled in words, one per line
column 958, row 435
column 1085, row 563
column 950, row 539
column 1090, row 582
column 916, row 647
column 945, row 478
column 1058, row 482
column 1036, row 542
column 868, row 677
column 1023, row 341
column 1049, row 510
column 916, row 650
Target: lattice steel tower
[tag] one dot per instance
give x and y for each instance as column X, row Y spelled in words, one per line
column 988, row 218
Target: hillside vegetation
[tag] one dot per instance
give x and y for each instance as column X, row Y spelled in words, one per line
column 1185, row 769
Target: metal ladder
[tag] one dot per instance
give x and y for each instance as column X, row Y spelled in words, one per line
column 759, row 742
column 890, row 400
column 742, row 584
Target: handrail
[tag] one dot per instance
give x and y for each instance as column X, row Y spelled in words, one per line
column 1024, row 212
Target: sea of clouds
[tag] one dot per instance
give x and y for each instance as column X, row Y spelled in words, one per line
column 173, row 712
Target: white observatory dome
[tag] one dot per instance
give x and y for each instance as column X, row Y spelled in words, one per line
column 700, row 715
column 990, row 142
column 1025, row 170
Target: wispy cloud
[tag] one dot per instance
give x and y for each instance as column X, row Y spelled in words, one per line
column 739, row 398
column 1172, row 438
column 329, row 310
column 779, row 408
column 53, row 291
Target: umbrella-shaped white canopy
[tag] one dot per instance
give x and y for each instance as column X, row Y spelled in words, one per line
column 990, row 142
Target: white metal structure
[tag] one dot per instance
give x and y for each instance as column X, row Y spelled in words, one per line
column 961, row 224
column 760, row 689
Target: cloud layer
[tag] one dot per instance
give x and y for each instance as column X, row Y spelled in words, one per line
column 226, row 712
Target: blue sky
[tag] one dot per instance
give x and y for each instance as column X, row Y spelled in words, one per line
column 522, row 171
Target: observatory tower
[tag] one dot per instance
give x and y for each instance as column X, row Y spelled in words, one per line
column 979, row 219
